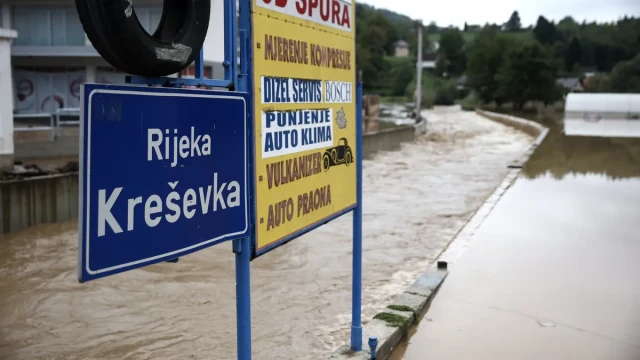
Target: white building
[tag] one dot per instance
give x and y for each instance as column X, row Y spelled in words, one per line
column 604, row 115
column 52, row 56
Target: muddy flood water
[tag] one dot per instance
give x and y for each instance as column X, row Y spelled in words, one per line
column 554, row 270
column 415, row 200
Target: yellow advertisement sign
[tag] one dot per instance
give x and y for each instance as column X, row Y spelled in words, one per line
column 305, row 115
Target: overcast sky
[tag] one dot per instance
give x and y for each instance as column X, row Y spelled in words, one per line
column 456, row 12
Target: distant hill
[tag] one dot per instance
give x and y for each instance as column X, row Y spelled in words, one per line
column 394, row 17
column 470, row 37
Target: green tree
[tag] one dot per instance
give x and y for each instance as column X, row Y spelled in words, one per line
column 433, row 28
column 413, row 43
column 529, row 73
column 485, row 61
column 568, row 26
column 514, row 23
column 442, row 64
column 575, row 71
column 546, row 32
column 625, row 77
column 402, row 71
column 372, row 45
column 452, row 47
column 573, row 54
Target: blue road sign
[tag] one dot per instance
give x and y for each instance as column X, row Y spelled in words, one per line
column 163, row 173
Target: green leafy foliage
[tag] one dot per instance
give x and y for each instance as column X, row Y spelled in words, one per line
column 573, row 55
column 545, row 32
column 470, row 102
column 503, row 63
column 624, row 78
column 435, row 91
column 528, row 73
column 514, row 23
column 376, row 34
column 401, row 73
column 452, row 46
column 485, row 61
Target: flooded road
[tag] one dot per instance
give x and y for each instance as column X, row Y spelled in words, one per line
column 415, row 200
column 554, row 271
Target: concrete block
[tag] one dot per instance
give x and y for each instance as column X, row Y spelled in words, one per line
column 386, row 140
column 427, row 283
column 411, row 303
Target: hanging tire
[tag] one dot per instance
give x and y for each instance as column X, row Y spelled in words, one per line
column 114, row 30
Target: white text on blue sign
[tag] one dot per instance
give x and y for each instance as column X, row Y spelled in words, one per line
column 282, row 90
column 168, row 145
column 278, row 90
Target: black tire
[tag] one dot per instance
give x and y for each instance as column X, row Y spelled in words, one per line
column 348, row 159
column 114, row 30
column 93, row 27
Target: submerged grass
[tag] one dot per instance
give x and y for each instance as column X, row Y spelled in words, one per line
column 394, row 320
column 400, row 308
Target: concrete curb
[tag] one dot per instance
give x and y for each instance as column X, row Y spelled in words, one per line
column 392, row 326
column 461, row 239
column 539, row 132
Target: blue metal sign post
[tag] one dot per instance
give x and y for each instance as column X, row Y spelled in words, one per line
column 243, row 247
column 163, row 174
column 356, row 291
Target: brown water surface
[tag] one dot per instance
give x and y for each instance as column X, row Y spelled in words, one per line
column 416, row 199
column 554, row 271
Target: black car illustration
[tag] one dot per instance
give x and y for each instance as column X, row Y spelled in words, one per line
column 337, row 155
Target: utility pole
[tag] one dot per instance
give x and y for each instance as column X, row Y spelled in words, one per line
column 419, row 75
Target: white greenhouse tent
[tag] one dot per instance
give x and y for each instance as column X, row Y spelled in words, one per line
column 605, row 115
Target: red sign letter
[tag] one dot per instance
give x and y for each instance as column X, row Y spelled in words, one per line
column 301, row 6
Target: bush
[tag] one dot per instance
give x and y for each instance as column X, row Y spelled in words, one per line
column 435, row 91
column 428, row 95
column 428, row 99
column 446, row 92
column 469, row 103
column 463, row 93
column 402, row 71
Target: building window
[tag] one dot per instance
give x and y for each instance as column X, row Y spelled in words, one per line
column 47, row 26
column 149, row 17
column 44, row 90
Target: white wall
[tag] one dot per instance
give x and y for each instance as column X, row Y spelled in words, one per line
column 6, row 100
column 214, row 42
column 606, row 115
